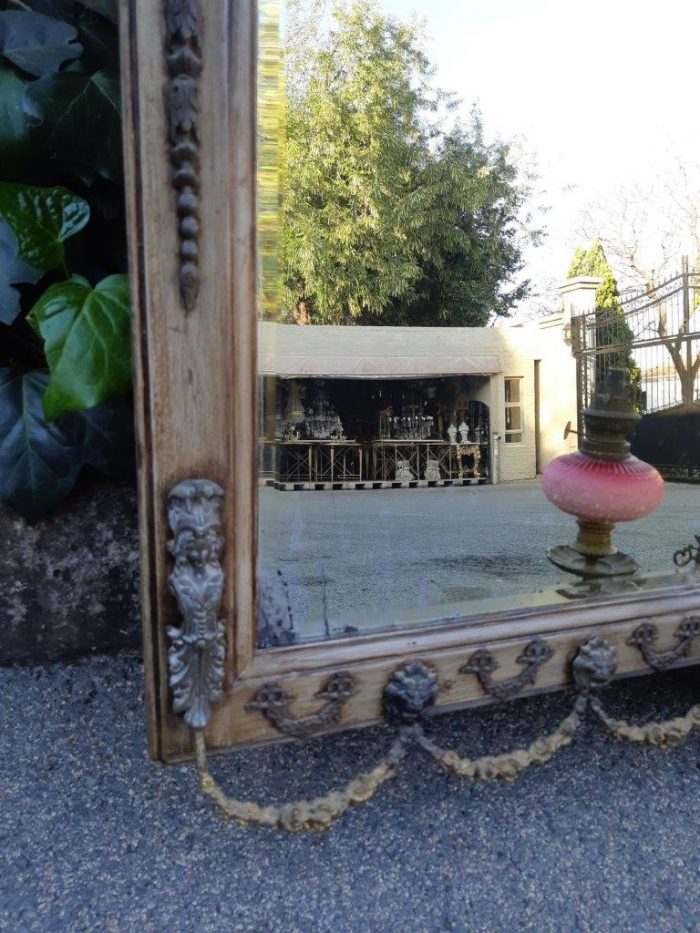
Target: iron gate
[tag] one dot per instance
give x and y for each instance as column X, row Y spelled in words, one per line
column 655, row 336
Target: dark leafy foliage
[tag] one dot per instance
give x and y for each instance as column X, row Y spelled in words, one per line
column 13, row 270
column 97, row 37
column 39, row 459
column 36, row 43
column 66, row 366
column 108, row 439
column 38, row 463
column 81, row 121
column 106, row 8
column 16, row 119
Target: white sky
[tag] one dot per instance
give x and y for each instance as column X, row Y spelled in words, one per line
column 601, row 92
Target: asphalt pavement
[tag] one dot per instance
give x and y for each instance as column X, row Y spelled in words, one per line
column 344, row 553
column 96, row 837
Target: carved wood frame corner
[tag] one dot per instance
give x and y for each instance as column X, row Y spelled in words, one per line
column 188, row 77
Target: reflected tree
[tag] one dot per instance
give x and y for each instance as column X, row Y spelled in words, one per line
column 394, row 212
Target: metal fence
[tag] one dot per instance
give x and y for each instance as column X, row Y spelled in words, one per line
column 655, row 335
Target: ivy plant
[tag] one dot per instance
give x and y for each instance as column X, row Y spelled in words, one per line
column 65, row 364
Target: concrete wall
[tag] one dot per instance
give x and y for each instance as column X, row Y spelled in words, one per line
column 558, row 402
column 578, row 295
column 519, row 348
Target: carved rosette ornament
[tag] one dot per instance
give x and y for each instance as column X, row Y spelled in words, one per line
column 594, row 666
column 410, row 693
column 184, row 63
column 197, row 647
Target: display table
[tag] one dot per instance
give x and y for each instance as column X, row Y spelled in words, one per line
column 320, row 461
column 331, row 463
column 404, row 461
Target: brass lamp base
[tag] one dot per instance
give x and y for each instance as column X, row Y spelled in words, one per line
column 593, row 555
column 592, row 568
column 593, row 539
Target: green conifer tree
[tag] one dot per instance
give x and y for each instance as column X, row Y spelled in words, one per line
column 388, row 217
column 611, row 328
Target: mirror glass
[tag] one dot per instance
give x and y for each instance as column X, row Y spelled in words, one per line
column 464, row 233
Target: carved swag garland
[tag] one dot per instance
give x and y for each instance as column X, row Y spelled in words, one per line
column 196, row 659
column 408, row 696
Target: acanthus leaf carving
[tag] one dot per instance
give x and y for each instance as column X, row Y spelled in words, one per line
column 197, row 648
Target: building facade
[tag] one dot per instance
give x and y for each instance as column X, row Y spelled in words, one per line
column 511, row 390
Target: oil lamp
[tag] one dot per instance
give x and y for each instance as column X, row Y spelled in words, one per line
column 602, row 484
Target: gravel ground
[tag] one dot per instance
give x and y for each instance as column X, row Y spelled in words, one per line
column 94, row 836
column 420, row 548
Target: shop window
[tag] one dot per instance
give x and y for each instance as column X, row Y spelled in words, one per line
column 514, row 411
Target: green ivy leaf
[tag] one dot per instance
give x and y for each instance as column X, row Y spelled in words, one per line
column 9, row 302
column 86, row 341
column 106, row 8
column 39, row 462
column 108, row 443
column 42, row 219
column 100, row 42
column 16, row 120
column 12, row 271
column 82, row 119
column 35, row 43
column 59, row 9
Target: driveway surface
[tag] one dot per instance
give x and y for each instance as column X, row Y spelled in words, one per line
column 95, row 837
column 345, row 553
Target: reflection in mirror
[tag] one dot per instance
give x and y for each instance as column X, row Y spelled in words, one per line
column 437, row 309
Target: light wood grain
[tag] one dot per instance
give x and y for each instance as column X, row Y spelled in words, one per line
column 183, row 362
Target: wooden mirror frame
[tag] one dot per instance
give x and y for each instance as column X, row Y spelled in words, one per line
column 193, row 275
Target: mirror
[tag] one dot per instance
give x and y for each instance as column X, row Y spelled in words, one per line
column 437, row 305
